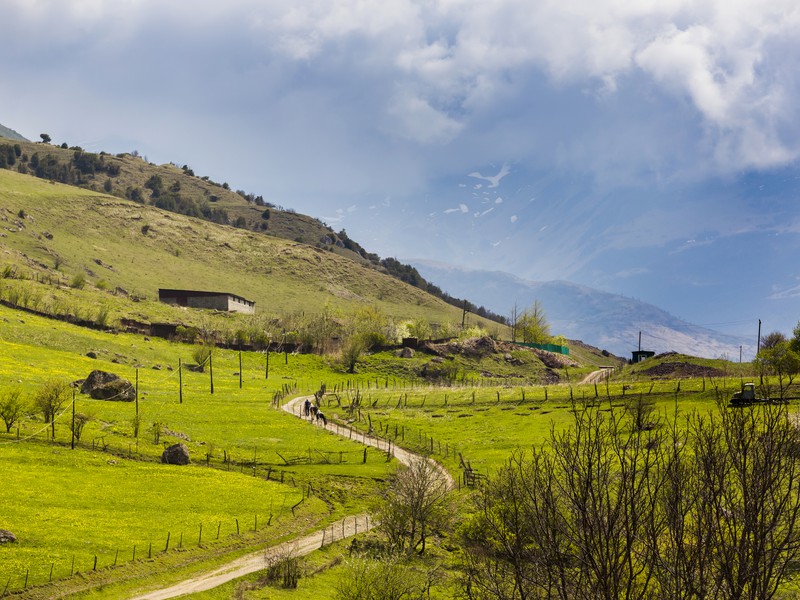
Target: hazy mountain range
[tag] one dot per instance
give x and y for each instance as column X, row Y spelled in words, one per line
column 608, row 321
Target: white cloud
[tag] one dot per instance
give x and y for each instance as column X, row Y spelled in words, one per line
column 494, row 180
column 462, row 208
column 414, row 118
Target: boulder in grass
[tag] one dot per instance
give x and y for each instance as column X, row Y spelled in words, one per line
column 6, row 537
column 405, row 352
column 177, row 454
column 102, row 385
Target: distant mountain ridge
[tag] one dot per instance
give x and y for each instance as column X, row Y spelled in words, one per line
column 601, row 319
column 11, row 134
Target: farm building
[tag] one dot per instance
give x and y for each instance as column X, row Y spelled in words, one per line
column 213, row 300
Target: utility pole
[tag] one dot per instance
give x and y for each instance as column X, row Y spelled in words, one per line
column 758, row 351
column 464, row 315
column 180, row 381
column 758, row 348
column 72, row 444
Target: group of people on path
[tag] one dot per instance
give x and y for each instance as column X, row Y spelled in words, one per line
column 313, row 412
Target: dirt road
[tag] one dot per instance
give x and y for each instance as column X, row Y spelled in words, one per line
column 347, row 527
column 598, row 376
column 295, row 407
column 256, row 561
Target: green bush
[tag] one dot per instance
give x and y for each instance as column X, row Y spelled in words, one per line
column 78, row 282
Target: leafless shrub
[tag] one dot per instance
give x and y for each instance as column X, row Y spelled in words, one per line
column 704, row 506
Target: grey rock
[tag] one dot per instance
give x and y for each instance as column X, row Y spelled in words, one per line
column 177, row 454
column 102, row 385
column 6, row 537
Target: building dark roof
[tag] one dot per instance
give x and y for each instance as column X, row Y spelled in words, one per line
column 170, row 292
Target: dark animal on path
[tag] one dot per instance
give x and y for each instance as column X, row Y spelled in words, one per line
column 321, row 417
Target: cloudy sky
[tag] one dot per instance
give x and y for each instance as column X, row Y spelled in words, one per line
column 648, row 148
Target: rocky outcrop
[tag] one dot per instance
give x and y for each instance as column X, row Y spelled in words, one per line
column 177, row 454
column 102, row 385
column 6, row 537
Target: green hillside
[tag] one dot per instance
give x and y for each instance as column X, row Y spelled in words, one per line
column 179, row 189
column 125, row 252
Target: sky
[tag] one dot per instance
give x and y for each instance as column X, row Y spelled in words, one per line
column 646, row 148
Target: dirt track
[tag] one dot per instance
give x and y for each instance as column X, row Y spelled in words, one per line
column 305, row 545
column 597, row 376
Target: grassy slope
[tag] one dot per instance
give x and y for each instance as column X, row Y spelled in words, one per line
column 84, row 502
column 102, row 237
column 135, row 171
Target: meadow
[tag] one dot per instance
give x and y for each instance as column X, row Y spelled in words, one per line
column 251, row 462
column 480, row 427
column 110, row 493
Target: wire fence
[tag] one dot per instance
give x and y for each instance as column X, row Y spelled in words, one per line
column 202, row 536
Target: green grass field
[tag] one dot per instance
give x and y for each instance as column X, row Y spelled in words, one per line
column 111, row 494
column 66, row 505
column 484, row 425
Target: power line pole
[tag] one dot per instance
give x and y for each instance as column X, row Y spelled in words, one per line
column 758, row 348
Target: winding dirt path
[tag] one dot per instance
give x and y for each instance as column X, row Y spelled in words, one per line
column 339, row 530
column 295, row 407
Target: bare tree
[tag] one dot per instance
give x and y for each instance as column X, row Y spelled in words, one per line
column 417, row 502
column 78, row 423
column 698, row 507
column 49, row 399
column 12, row 407
column 750, row 481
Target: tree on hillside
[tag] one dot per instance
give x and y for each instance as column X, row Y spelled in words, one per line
column 49, row 399
column 12, row 407
column 532, row 325
column 353, row 347
column 772, row 339
column 513, row 321
column 795, row 341
column 416, row 504
column 779, row 360
column 420, row 329
column 46, row 139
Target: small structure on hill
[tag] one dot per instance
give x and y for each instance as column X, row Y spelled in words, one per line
column 640, row 355
column 213, row 300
